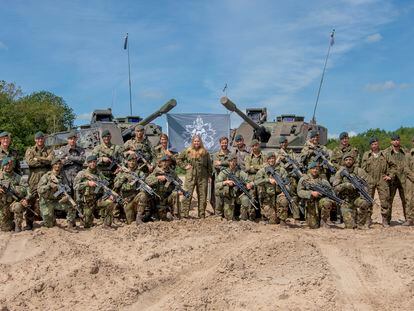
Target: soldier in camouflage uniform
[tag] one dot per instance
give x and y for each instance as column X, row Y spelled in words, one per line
column 48, row 202
column 197, row 163
column 11, row 207
column 39, row 159
column 356, row 209
column 273, row 203
column 409, row 168
column 344, row 147
column 72, row 157
column 6, row 151
column 220, row 160
column 232, row 195
column 281, row 157
column 398, row 156
column 85, row 186
column 377, row 165
column 241, row 151
column 142, row 145
column 124, row 184
column 157, row 180
column 108, row 155
column 318, row 208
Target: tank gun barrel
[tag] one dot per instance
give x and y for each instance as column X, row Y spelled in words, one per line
column 260, row 132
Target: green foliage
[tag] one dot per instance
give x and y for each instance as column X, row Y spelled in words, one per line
column 23, row 116
column 361, row 141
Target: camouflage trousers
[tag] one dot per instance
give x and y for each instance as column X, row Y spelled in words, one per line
column 317, row 210
column 229, row 204
column 355, row 212
column 164, row 206
column 47, row 211
column 384, row 195
column 200, row 184
column 105, row 208
column 274, row 208
column 219, row 205
column 133, row 205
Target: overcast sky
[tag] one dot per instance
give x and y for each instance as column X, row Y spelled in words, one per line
column 270, row 53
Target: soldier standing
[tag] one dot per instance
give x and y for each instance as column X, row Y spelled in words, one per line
column 197, row 163
column 6, row 151
column 273, row 203
column 377, row 165
column 47, row 188
column 220, row 160
column 318, row 207
column 231, row 195
column 398, row 156
column 39, row 159
column 86, row 185
column 108, row 155
column 410, row 188
column 356, row 209
column 344, row 147
column 73, row 158
column 241, row 151
column 127, row 186
column 141, row 145
column 13, row 197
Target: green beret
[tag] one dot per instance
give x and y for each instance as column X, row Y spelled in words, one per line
column 348, row 155
column 373, row 140
column 39, row 135
column 238, row 137
column 139, row 127
column 312, row 164
column 4, row 134
column 395, row 137
column 282, row 139
column 254, row 142
column 72, row 134
column 56, row 160
column 106, row 133
column 313, row 133
column 271, row 154
column 343, row 135
column 6, row 161
column 91, row 158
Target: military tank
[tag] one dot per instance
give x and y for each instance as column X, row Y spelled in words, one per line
column 256, row 126
column 122, row 129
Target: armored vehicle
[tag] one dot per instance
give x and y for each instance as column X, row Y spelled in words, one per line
column 256, row 126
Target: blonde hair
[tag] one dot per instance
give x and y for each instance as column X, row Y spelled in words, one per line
column 196, row 153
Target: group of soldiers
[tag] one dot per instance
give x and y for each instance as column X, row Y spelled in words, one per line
column 137, row 182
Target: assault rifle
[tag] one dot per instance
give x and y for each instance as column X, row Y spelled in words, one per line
column 178, row 184
column 64, row 190
column 324, row 160
column 9, row 190
column 282, row 185
column 296, row 167
column 359, row 184
column 140, row 181
column 324, row 190
column 240, row 185
column 102, row 185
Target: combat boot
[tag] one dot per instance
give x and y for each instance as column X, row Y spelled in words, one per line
column 283, row 224
column 385, row 223
column 323, row 224
column 408, row 223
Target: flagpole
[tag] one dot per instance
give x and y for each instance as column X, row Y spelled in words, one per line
column 126, row 45
column 331, row 42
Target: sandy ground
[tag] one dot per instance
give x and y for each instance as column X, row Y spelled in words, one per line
column 211, row 264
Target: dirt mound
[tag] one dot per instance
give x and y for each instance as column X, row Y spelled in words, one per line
column 208, row 264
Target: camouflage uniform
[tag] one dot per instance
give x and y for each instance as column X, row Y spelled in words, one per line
column 72, row 160
column 163, row 205
column 232, row 196
column 307, row 155
column 132, row 201
column 355, row 210
column 13, row 154
column 49, row 203
column 377, row 166
column 160, row 152
column 241, row 156
column 274, row 205
column 409, row 169
column 114, row 152
column 338, row 153
column 397, row 172
column 223, row 157
column 39, row 161
column 90, row 200
column 144, row 147
column 196, row 177
column 317, row 209
column 9, row 208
